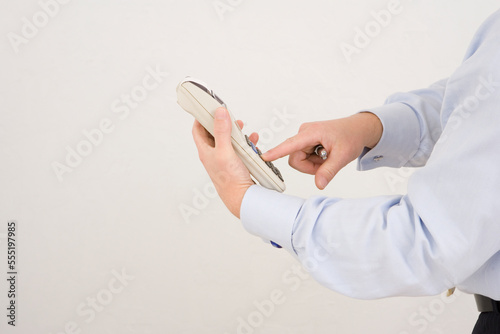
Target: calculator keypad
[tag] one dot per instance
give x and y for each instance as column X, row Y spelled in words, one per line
column 268, row 163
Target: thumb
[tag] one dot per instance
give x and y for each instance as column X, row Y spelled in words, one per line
column 326, row 173
column 222, row 128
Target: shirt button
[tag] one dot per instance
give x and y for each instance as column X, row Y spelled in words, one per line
column 378, row 158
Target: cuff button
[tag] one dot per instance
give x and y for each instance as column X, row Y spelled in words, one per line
column 275, row 244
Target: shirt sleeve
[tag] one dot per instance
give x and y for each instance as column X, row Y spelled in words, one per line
column 411, row 126
column 443, row 233
column 364, row 248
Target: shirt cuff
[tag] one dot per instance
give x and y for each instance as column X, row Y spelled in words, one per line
column 400, row 138
column 270, row 215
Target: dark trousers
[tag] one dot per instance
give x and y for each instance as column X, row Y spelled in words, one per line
column 488, row 323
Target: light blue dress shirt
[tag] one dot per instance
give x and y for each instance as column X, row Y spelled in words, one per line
column 446, row 231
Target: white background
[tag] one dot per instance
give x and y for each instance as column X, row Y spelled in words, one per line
column 120, row 209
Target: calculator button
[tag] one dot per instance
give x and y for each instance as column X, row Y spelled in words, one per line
column 268, row 163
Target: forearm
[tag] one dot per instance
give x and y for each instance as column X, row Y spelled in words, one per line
column 444, row 233
column 363, row 248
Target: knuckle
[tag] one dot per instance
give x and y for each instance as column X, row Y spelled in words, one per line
column 329, row 172
column 290, row 141
column 202, row 158
column 293, row 161
column 313, row 128
column 304, row 126
column 316, row 126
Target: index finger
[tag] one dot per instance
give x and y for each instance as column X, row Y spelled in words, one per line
column 293, row 144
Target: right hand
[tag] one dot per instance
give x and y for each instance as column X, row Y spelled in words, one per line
column 344, row 140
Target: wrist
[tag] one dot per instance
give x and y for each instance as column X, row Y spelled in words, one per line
column 371, row 126
column 234, row 199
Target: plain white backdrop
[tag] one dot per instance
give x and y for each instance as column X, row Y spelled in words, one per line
column 119, row 230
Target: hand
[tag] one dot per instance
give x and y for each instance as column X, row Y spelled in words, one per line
column 228, row 173
column 344, row 140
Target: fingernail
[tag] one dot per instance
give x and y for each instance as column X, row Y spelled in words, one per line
column 220, row 113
